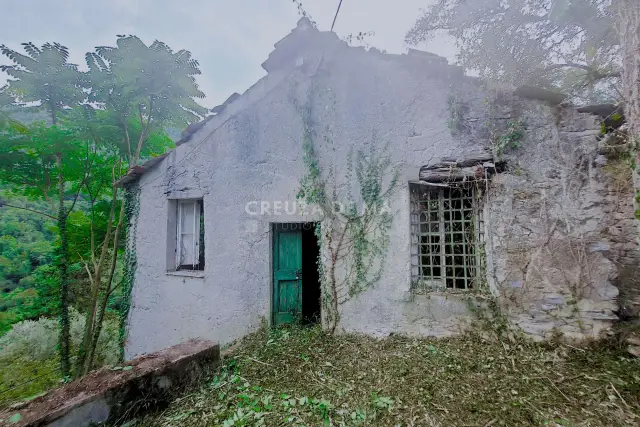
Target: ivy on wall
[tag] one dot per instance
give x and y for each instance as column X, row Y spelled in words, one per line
column 131, row 211
column 354, row 232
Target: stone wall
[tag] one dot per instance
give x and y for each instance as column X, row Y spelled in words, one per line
column 560, row 226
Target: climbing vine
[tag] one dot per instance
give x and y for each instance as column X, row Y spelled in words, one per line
column 511, row 138
column 458, row 109
column 131, row 211
column 354, row 232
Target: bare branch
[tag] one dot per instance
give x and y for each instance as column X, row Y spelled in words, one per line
column 593, row 73
column 3, row 203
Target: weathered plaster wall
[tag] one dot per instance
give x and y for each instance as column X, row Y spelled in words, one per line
column 252, row 151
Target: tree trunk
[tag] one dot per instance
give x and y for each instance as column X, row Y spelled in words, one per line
column 96, row 285
column 62, row 259
column 88, row 327
column 108, row 290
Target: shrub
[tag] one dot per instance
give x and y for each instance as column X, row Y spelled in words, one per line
column 37, row 340
column 30, row 340
column 29, row 359
column 108, row 350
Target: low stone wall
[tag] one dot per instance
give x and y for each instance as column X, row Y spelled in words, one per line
column 118, row 393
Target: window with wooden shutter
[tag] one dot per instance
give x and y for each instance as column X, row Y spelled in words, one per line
column 190, row 235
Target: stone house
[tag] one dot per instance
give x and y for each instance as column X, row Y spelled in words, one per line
column 500, row 201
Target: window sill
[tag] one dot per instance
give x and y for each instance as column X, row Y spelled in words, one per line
column 451, row 292
column 187, row 273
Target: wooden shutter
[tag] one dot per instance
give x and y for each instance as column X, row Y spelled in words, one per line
column 188, row 235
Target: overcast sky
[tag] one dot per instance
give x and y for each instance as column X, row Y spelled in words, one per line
column 229, row 38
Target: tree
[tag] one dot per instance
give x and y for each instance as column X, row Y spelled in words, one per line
column 139, row 90
column 564, row 44
column 47, row 163
column 105, row 218
column 152, row 84
column 100, row 124
column 26, row 252
column 45, row 77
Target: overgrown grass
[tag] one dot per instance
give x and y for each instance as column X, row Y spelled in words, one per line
column 302, row 376
column 24, row 379
column 29, row 363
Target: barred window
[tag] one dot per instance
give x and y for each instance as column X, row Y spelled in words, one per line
column 446, row 226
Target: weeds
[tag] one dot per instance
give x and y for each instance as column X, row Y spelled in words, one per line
column 510, row 139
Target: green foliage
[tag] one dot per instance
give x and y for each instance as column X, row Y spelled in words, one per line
column 354, row 231
column 41, row 374
column 28, row 164
column 44, row 76
column 33, row 302
column 242, row 404
column 9, row 123
column 29, row 352
column 15, row 306
column 510, row 139
column 370, row 226
column 25, row 243
column 100, row 123
column 134, row 79
column 566, row 44
column 26, row 253
column 312, row 189
column 301, row 376
column 131, row 210
column 31, row 339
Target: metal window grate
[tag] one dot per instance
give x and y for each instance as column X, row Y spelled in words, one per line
column 445, row 224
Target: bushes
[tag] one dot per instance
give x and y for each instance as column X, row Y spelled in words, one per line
column 37, row 340
column 30, row 340
column 26, row 240
column 26, row 379
column 29, row 356
column 32, row 301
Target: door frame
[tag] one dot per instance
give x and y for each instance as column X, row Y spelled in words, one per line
column 272, row 234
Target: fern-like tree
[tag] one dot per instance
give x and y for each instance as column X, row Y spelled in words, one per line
column 100, row 124
column 570, row 45
column 44, row 79
column 149, row 85
column 138, row 90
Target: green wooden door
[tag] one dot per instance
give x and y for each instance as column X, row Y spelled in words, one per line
column 287, row 276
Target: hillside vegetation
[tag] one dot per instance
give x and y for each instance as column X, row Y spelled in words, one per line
column 26, row 255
